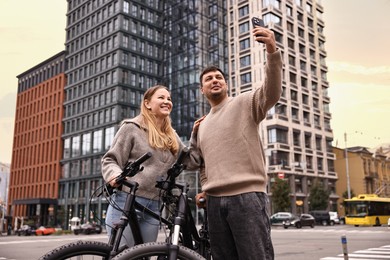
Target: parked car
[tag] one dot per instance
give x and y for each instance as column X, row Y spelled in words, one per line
column 88, row 228
column 334, row 218
column 25, row 230
column 74, row 223
column 302, row 220
column 44, row 231
column 279, row 217
column 322, row 217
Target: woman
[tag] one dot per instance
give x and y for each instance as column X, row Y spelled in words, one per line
column 151, row 131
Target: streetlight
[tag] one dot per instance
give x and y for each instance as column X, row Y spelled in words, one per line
column 347, row 166
column 346, row 163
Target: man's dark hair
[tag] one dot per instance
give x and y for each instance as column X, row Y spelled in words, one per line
column 210, row 69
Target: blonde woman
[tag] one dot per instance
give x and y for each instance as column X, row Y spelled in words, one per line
column 151, row 131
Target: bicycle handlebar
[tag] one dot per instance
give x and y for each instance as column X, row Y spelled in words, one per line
column 131, row 168
column 182, row 155
column 178, row 166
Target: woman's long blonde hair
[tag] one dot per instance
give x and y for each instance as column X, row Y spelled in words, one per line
column 164, row 138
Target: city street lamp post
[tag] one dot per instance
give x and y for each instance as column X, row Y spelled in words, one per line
column 347, row 167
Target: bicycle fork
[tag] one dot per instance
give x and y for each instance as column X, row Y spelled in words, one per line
column 179, row 221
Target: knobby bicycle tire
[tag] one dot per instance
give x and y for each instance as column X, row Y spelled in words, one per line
column 91, row 250
column 159, row 250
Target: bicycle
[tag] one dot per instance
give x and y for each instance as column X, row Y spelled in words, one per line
column 183, row 241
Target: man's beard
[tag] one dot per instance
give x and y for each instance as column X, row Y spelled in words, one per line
column 216, row 97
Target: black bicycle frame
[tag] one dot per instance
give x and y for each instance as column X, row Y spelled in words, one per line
column 129, row 217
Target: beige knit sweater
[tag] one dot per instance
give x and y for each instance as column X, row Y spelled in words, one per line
column 228, row 138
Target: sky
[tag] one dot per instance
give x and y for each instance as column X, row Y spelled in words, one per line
column 358, row 57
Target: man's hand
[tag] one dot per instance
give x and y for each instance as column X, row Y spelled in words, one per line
column 267, row 36
column 200, row 199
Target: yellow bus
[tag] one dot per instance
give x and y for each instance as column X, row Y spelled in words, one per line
column 367, row 209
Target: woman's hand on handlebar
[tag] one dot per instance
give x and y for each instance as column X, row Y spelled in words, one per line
column 200, row 199
column 113, row 182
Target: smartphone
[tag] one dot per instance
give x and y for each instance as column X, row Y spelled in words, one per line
column 258, row 22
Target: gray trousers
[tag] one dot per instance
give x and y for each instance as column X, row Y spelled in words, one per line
column 239, row 227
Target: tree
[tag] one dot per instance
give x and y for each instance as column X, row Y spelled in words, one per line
column 319, row 197
column 345, row 196
column 280, row 195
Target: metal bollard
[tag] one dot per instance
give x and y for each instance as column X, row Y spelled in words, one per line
column 344, row 245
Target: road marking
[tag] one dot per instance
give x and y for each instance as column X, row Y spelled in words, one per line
column 341, row 231
column 367, row 254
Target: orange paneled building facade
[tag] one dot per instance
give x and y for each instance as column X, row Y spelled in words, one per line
column 37, row 145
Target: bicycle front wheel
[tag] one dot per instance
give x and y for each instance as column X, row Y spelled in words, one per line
column 156, row 251
column 80, row 250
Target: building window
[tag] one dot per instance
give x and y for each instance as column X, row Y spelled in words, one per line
column 318, row 143
column 67, row 148
column 295, row 113
column 274, row 3
column 309, row 8
column 97, row 141
column 291, row 60
column 279, row 158
column 305, row 99
column 293, row 78
column 75, row 146
column 243, row 11
column 290, row 27
column 244, row 27
column 109, row 137
column 125, row 42
column 244, row 44
column 317, row 122
column 320, row 166
column 290, row 43
column 245, row 61
column 276, row 135
column 306, row 118
column 96, row 166
column 272, row 18
column 330, row 165
column 307, row 140
column 86, row 145
column 246, row 78
column 294, row 95
column 289, row 10
column 86, row 167
column 74, row 168
column 309, row 162
column 297, row 138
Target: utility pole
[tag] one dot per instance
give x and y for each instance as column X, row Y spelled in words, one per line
column 347, row 166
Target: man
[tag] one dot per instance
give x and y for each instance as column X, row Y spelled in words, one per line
column 233, row 174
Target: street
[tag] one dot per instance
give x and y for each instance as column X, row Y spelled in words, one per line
column 325, row 242
column 302, row 244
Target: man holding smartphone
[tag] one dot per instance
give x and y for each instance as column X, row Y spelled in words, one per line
column 233, row 174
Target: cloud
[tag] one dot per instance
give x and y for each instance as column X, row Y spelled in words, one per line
column 339, row 66
column 7, row 105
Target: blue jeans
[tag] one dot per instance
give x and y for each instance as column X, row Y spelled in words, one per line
column 240, row 227
column 148, row 225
